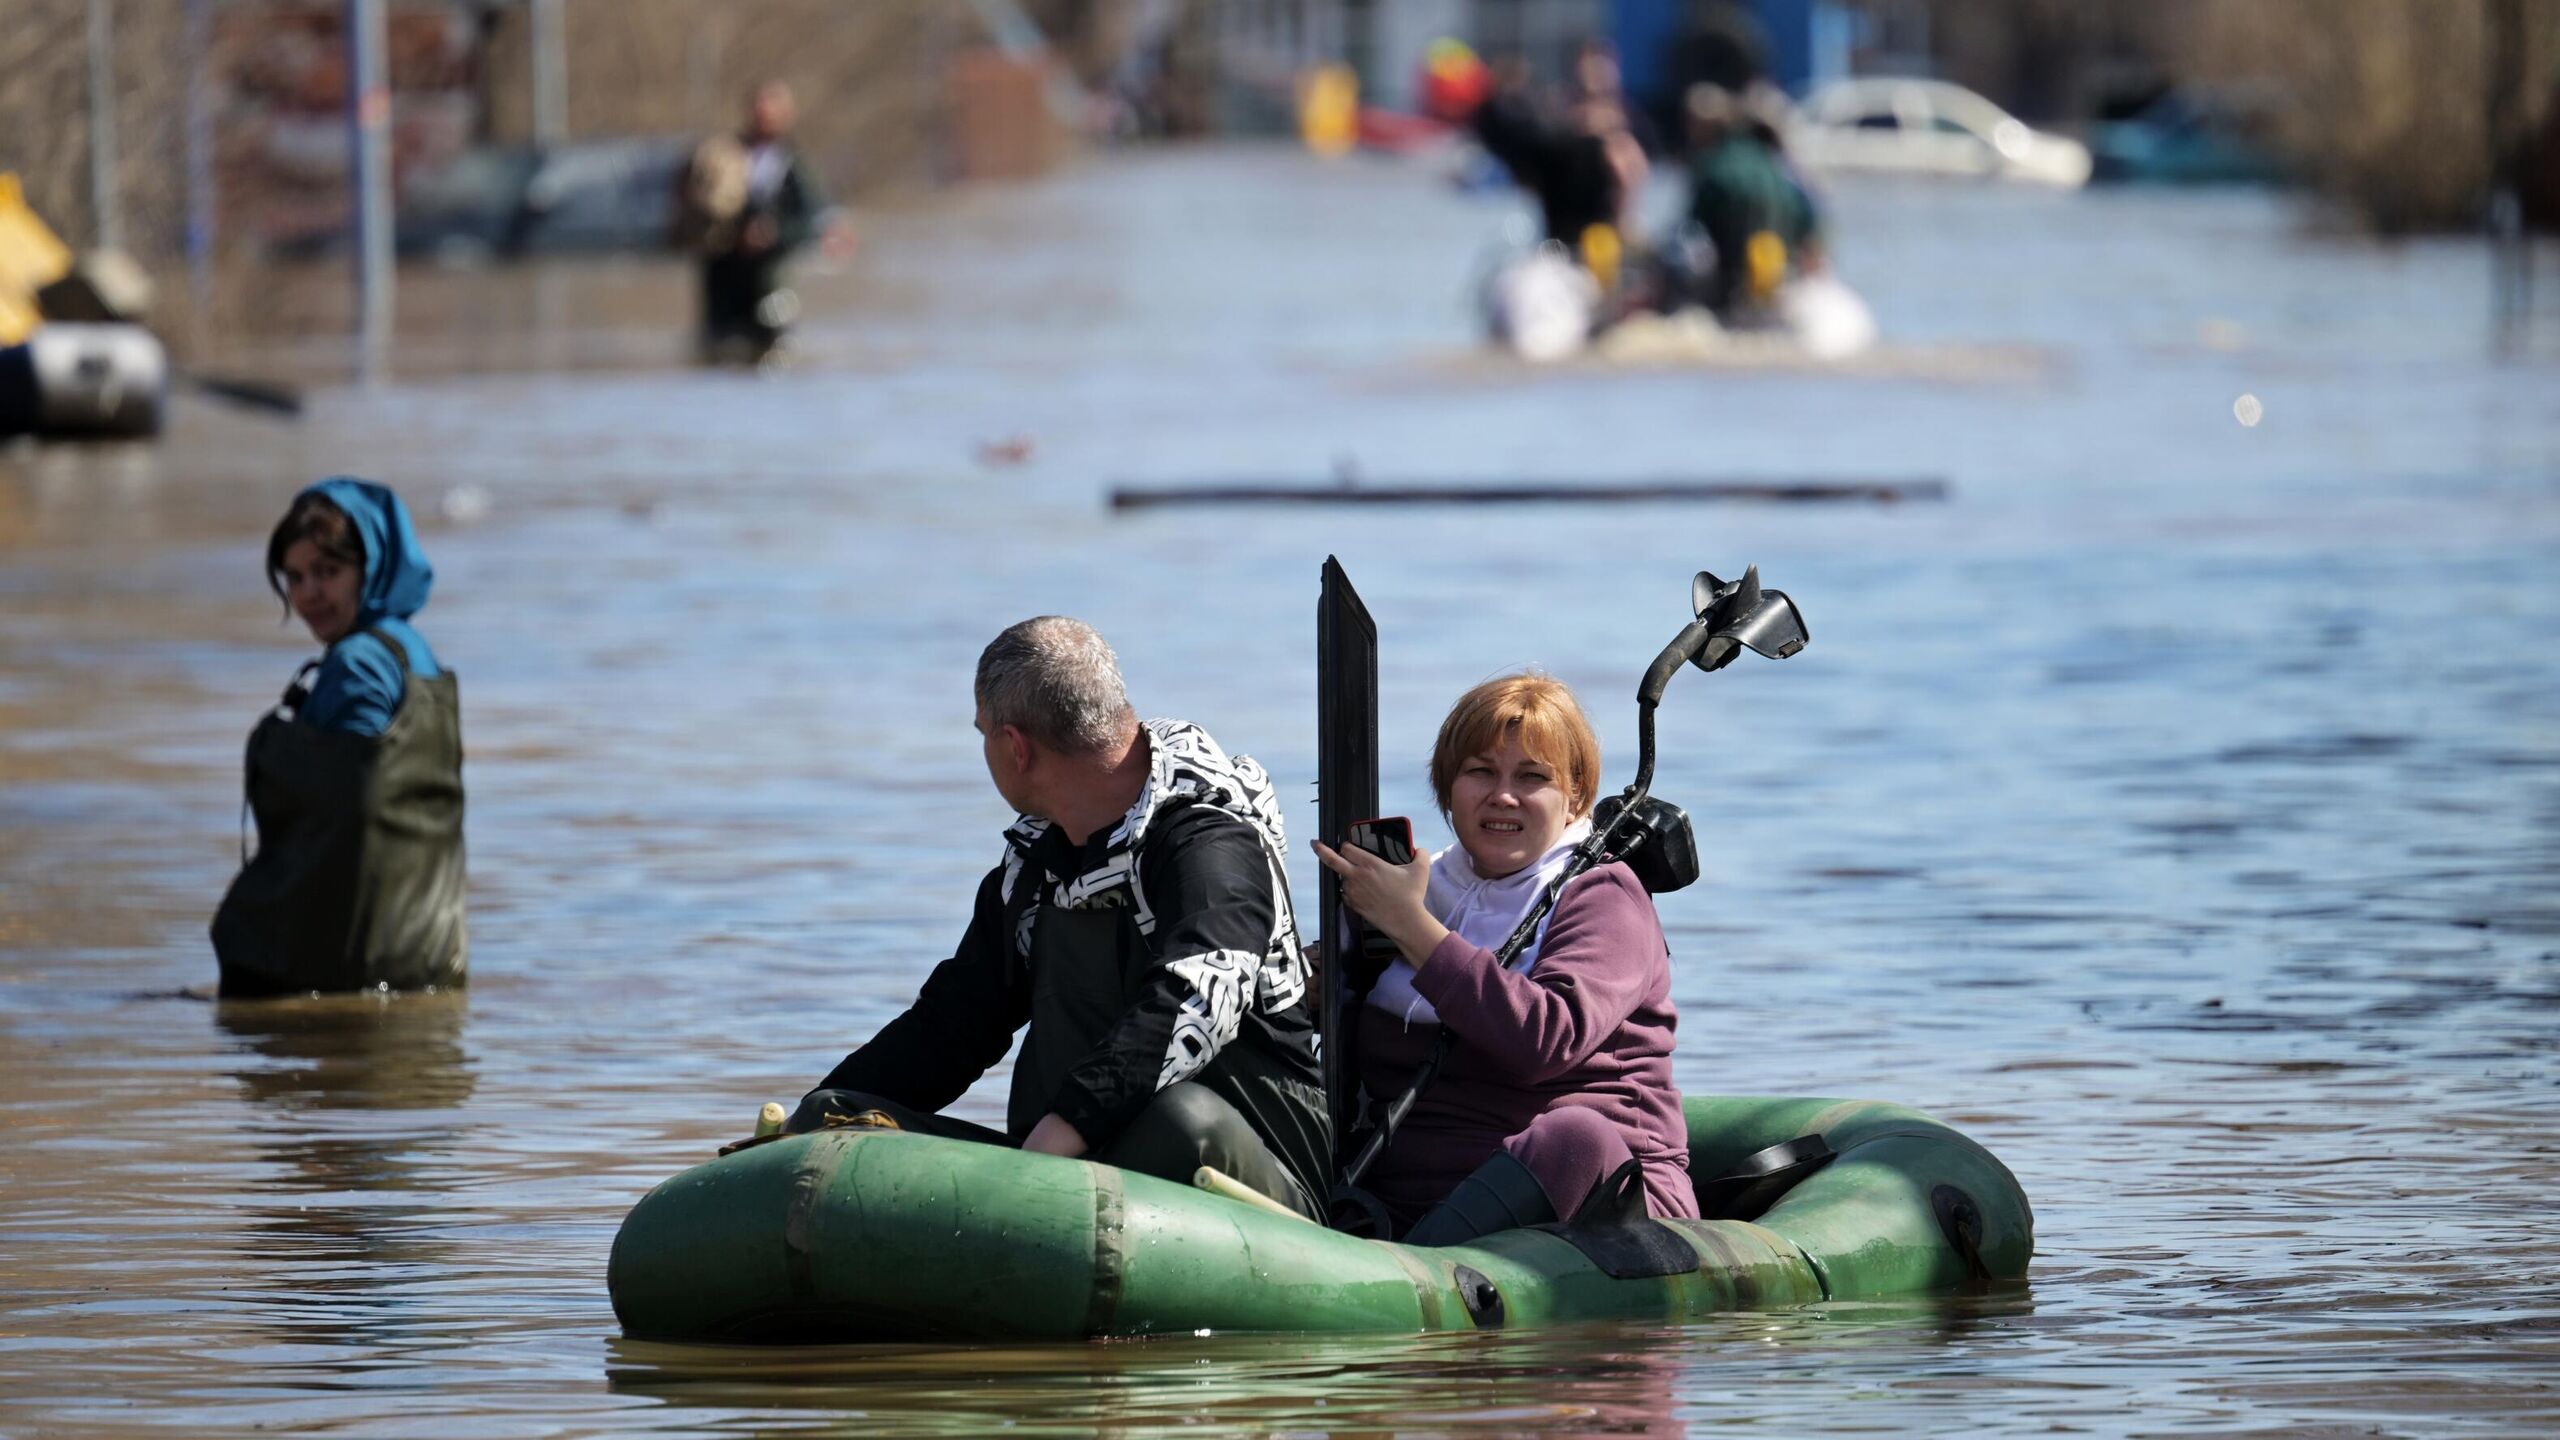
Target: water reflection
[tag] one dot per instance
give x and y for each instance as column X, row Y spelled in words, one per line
column 353, row 1052
column 1558, row 1382
column 1578, row 1380
column 357, row 1113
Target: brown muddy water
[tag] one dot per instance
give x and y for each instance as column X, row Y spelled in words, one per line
column 2177, row 809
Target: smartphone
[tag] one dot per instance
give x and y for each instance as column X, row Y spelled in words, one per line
column 1389, row 837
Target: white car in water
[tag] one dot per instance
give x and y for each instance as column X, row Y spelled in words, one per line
column 1927, row 127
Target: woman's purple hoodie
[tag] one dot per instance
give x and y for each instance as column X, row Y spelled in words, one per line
column 1590, row 1025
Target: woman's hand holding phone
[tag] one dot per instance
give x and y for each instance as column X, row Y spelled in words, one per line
column 1387, row 895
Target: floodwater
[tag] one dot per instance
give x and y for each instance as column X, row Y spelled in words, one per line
column 2176, row 808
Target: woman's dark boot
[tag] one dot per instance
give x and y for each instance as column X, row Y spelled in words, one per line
column 1500, row 1195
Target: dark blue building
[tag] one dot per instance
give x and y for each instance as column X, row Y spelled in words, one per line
column 1664, row 46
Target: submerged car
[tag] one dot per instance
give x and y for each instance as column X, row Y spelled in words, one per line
column 1928, row 127
column 589, row 197
column 505, row 202
column 2184, row 138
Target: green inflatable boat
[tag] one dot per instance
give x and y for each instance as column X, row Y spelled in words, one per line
column 878, row 1235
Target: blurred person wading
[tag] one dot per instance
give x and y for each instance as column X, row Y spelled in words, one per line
column 745, row 204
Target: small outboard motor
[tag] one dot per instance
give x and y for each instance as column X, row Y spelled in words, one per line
column 1656, row 842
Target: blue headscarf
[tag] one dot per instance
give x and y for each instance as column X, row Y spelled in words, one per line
column 360, row 682
column 397, row 576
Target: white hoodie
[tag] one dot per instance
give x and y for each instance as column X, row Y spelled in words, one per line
column 1481, row 912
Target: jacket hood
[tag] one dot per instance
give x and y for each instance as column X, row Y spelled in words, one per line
column 397, row 576
column 1184, row 767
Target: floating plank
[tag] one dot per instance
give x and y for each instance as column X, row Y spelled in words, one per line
column 1597, row 492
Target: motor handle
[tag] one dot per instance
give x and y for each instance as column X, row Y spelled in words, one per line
column 1685, row 646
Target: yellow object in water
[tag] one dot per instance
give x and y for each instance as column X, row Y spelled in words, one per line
column 1764, row 263
column 1329, row 109
column 31, row 257
column 1602, row 254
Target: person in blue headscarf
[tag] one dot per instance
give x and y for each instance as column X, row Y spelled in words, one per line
column 347, row 562
column 355, row 778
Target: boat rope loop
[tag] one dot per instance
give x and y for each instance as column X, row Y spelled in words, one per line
column 835, row 1120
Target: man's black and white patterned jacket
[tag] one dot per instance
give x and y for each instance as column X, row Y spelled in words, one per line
column 1223, row 994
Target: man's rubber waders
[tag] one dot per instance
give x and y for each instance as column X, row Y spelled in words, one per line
column 1086, row 970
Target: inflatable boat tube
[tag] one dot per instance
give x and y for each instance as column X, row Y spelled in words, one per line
column 878, row 1235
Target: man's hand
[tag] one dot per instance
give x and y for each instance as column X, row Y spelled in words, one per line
column 1054, row 1136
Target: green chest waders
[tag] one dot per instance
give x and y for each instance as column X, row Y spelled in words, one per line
column 1087, row 968
column 358, row 879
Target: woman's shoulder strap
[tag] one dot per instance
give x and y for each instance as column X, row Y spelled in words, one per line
column 399, row 652
column 359, row 685
column 1609, row 876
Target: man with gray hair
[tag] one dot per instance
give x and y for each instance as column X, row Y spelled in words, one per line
column 1139, row 925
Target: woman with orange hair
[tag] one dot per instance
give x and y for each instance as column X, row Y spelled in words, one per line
column 1560, row 1074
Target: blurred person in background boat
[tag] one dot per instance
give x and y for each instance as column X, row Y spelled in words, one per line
column 1138, row 925
column 1601, row 108
column 355, row 779
column 1747, row 203
column 1584, row 165
column 745, row 204
column 1561, row 1072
